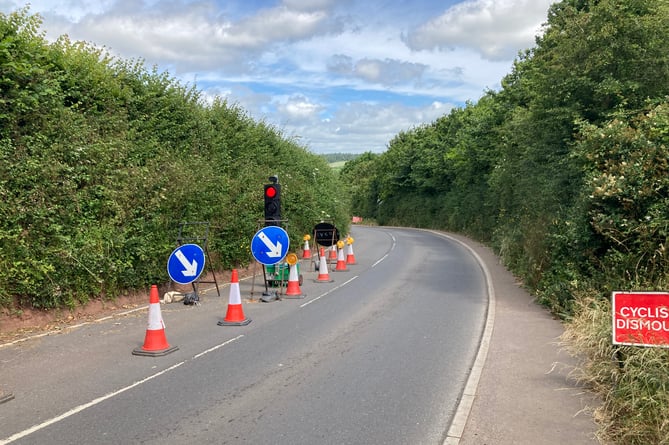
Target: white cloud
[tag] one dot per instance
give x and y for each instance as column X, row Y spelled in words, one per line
column 358, row 127
column 195, row 35
column 385, row 72
column 299, row 108
column 497, row 29
column 280, row 24
column 309, row 5
column 340, row 74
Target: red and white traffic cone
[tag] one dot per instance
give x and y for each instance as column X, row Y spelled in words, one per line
column 306, row 252
column 293, row 287
column 341, row 261
column 350, row 257
column 155, row 342
column 333, row 253
column 323, row 275
column 235, row 314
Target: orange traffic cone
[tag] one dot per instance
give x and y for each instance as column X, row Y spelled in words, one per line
column 235, row 314
column 350, row 257
column 333, row 253
column 323, row 275
column 155, row 342
column 306, row 252
column 293, row 286
column 341, row 262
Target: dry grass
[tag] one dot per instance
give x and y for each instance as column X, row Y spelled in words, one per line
column 633, row 382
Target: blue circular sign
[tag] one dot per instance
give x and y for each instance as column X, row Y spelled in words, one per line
column 270, row 245
column 186, row 263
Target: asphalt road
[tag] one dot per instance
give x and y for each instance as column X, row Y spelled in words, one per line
column 378, row 356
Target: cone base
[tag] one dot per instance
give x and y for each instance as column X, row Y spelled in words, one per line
column 293, row 289
column 158, row 353
column 341, row 269
column 324, row 280
column 294, row 294
column 234, row 323
column 235, row 315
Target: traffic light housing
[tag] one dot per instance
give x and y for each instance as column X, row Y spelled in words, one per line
column 272, row 204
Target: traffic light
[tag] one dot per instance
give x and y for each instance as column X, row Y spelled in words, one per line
column 272, row 204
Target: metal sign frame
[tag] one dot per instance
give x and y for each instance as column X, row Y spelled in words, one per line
column 198, row 233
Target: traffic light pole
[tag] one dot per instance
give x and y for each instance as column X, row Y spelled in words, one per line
column 283, row 223
column 272, row 213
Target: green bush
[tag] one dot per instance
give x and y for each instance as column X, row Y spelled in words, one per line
column 564, row 173
column 101, row 160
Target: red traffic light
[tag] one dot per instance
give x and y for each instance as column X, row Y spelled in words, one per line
column 270, row 191
column 272, row 204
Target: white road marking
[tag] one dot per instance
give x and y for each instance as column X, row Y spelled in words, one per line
column 328, row 292
column 94, row 402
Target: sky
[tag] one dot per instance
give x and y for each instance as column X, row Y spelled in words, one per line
column 335, row 76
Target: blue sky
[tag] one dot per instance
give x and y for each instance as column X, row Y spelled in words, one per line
column 335, row 75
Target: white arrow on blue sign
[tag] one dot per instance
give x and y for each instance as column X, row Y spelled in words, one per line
column 186, row 263
column 269, row 245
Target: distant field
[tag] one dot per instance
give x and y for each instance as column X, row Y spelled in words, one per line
column 337, row 165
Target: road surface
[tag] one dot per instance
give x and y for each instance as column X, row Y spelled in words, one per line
column 380, row 355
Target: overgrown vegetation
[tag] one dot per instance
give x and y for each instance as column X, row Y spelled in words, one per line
column 101, row 159
column 564, row 172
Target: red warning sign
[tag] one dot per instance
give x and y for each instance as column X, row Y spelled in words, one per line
column 640, row 318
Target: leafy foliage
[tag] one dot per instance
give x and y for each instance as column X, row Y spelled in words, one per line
column 101, row 159
column 564, row 172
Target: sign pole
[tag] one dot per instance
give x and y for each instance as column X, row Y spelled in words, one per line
column 269, row 246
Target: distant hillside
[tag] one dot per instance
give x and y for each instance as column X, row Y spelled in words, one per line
column 332, row 158
column 337, row 166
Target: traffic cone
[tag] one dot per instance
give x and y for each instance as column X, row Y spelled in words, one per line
column 235, row 314
column 341, row 262
column 155, row 342
column 306, row 252
column 332, row 255
column 323, row 275
column 350, row 257
column 293, row 286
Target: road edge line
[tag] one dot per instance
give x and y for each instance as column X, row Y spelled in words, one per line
column 464, row 408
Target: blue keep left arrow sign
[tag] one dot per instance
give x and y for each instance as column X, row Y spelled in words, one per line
column 269, row 245
column 186, row 263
